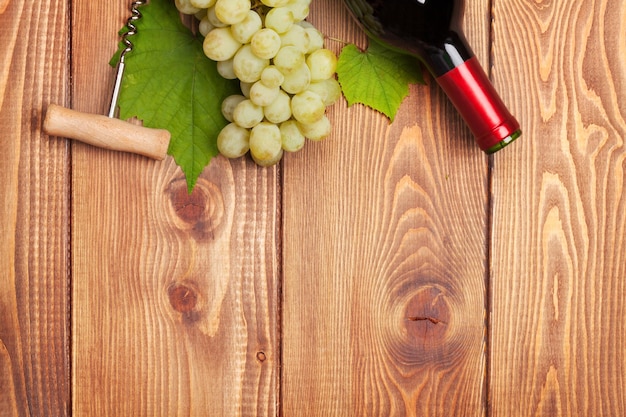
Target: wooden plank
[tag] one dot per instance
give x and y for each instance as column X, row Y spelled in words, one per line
column 384, row 257
column 174, row 295
column 558, row 265
column 34, row 214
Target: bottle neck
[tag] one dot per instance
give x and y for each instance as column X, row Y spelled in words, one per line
column 470, row 91
column 444, row 54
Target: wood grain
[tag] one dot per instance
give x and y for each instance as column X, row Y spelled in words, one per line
column 174, row 295
column 391, row 270
column 384, row 254
column 34, row 213
column 558, row 266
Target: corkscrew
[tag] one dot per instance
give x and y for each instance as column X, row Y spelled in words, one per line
column 107, row 131
column 131, row 30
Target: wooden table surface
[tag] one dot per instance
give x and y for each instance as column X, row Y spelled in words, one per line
column 390, row 270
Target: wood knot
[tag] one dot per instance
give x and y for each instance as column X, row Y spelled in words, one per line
column 184, row 298
column 199, row 213
column 427, row 315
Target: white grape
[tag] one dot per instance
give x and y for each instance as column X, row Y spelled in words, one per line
column 229, row 104
column 329, row 90
column 279, row 110
column 297, row 80
column 219, row 44
column 233, row 141
column 247, row 114
column 268, row 162
column 265, row 43
column 266, row 144
column 262, row 95
column 296, row 36
column 245, row 88
column 288, row 59
column 299, row 9
column 202, row 4
column 291, row 137
column 275, row 3
column 247, row 65
column 244, row 30
column 212, row 17
column 272, row 77
column 204, row 27
column 316, row 39
column 280, row 19
column 322, row 63
column 185, row 6
column 307, row 107
column 232, row 11
column 316, row 131
column 226, row 69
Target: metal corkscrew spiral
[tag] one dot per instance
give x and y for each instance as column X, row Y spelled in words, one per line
column 135, row 15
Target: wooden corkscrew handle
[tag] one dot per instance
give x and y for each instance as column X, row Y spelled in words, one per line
column 106, row 132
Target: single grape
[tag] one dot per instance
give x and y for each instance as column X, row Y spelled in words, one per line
column 245, row 88
column 247, row 65
column 322, row 63
column 232, row 11
column 185, row 6
column 226, row 69
column 272, row 77
column 292, row 138
column 307, row 107
column 296, row 36
column 244, row 30
column 262, row 95
column 266, row 144
column 288, row 59
column 280, row 110
column 233, row 141
column 297, row 80
column 219, row 44
column 204, row 27
column 229, row 104
column 316, row 131
column 316, row 39
column 329, row 90
column 280, row 19
column 275, row 3
column 247, row 114
column 299, row 9
column 213, row 19
column 202, row 4
column 268, row 162
column 265, row 43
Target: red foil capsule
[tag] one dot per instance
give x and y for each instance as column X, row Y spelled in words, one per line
column 475, row 98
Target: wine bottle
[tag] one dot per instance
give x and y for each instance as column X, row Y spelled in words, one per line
column 432, row 31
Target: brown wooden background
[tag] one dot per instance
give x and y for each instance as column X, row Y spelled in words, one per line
column 391, row 270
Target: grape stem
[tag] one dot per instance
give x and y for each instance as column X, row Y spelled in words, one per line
column 341, row 41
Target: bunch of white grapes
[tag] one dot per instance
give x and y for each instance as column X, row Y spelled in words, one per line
column 287, row 77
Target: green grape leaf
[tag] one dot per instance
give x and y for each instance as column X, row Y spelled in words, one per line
column 169, row 83
column 378, row 77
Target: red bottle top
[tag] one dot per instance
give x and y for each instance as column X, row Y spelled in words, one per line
column 475, row 98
